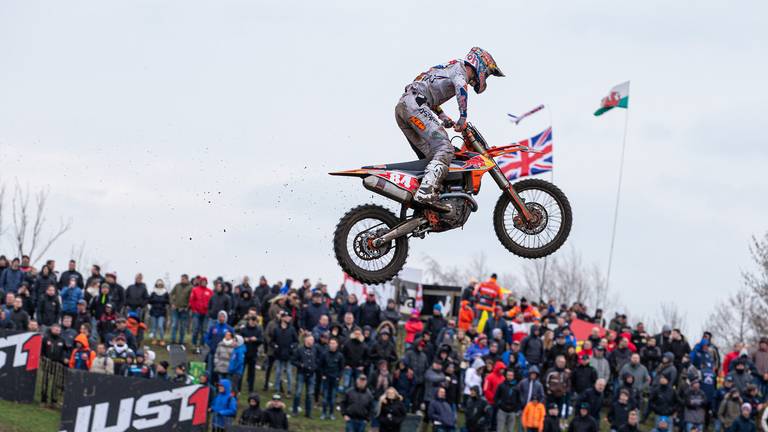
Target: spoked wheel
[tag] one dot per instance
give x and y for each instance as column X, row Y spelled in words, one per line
column 354, row 248
column 550, row 227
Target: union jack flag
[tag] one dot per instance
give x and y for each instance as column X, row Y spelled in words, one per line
column 522, row 164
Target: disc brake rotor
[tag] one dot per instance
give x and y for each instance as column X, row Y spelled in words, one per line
column 364, row 247
column 539, row 220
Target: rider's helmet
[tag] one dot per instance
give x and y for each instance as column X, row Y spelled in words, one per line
column 484, row 65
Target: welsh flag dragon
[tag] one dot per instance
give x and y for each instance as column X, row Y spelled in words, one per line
column 618, row 97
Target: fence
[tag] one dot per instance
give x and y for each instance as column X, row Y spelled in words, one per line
column 51, row 378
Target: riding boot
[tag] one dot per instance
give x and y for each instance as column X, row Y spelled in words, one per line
column 431, row 184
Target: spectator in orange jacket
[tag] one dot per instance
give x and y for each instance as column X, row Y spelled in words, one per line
column 466, row 316
column 487, row 294
column 533, row 415
column 493, row 380
column 528, row 312
column 82, row 356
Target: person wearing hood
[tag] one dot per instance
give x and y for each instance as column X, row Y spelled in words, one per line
column 466, row 315
column 237, row 364
column 531, row 387
column 220, row 301
column 158, row 303
column 533, row 415
column 582, row 422
column 437, row 321
column 532, row 346
column 243, row 303
column 223, row 407
column 384, row 348
column 215, row 335
column 744, row 423
column 440, row 413
column 663, row 424
column 433, row 377
column 741, row 374
column 619, row 410
column 253, row 415
column 413, row 327
column 700, row 355
column 662, row 400
column 638, row 372
column 650, row 355
column 82, row 356
column 42, row 281
column 137, row 295
column 179, row 301
column 492, row 382
column 198, row 306
column 253, row 335
column 274, row 416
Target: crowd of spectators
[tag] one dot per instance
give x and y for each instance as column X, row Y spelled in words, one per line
column 518, row 368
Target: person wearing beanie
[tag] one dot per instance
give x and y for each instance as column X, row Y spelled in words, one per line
column 662, row 424
column 744, row 423
column 552, row 420
column 252, row 416
column 437, row 321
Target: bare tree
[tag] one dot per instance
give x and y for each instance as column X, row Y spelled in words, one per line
column 757, row 284
column 477, row 268
column 2, row 203
column 731, row 319
column 29, row 222
column 671, row 315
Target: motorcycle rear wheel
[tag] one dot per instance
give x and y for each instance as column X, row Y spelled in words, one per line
column 353, row 249
column 545, row 200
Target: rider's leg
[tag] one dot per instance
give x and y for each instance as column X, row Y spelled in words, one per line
column 428, row 138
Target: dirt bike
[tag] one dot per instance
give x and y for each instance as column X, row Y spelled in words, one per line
column 532, row 218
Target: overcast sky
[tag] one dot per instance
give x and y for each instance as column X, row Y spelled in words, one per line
column 189, row 136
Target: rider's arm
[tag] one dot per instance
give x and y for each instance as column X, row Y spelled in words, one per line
column 447, row 121
column 461, row 98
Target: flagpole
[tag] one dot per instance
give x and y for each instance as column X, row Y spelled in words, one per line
column 618, row 196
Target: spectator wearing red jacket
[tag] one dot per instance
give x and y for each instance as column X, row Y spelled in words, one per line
column 198, row 305
column 493, row 380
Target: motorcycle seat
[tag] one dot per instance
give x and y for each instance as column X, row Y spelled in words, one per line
column 413, row 167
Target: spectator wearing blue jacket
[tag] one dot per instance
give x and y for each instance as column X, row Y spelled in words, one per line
column 440, row 413
column 237, row 363
column 215, row 334
column 70, row 295
column 224, row 406
column 11, row 277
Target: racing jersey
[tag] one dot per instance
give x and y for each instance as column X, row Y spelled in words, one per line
column 487, row 293
column 441, row 83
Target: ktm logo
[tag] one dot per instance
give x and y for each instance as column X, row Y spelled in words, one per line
column 418, row 123
column 149, row 411
column 26, row 351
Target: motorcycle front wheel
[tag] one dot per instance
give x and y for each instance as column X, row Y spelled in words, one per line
column 352, row 244
column 549, row 230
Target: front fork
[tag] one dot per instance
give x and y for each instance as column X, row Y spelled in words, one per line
column 503, row 182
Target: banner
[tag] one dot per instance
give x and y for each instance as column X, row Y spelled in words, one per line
column 583, row 329
column 239, row 428
column 19, row 360
column 96, row 402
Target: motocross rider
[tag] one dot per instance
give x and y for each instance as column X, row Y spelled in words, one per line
column 417, row 108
